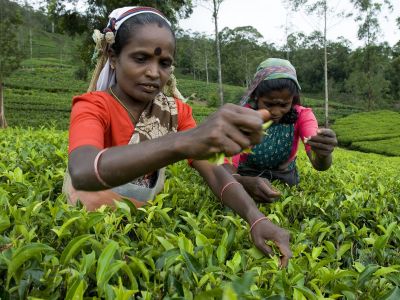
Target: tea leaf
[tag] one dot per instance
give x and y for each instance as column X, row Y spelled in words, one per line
column 73, row 247
column 23, row 254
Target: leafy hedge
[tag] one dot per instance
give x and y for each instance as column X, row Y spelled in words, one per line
column 376, row 131
column 343, row 222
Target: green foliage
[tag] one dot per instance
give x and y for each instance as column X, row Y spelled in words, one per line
column 40, row 93
column 10, row 55
column 95, row 16
column 200, row 90
column 337, row 110
column 370, row 132
column 185, row 245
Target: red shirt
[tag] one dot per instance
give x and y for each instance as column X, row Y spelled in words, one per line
column 97, row 119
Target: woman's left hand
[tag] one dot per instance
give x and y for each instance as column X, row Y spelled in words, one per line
column 324, row 142
column 264, row 231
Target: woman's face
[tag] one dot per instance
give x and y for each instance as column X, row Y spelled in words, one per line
column 277, row 102
column 144, row 65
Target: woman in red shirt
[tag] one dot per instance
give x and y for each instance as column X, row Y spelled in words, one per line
column 123, row 135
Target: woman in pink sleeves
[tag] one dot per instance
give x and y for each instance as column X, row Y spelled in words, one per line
column 275, row 87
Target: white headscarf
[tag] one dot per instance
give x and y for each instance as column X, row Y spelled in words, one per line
column 116, row 18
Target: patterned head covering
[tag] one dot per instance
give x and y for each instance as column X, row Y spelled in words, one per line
column 117, row 17
column 271, row 68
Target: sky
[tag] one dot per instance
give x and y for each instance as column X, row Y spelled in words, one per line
column 270, row 17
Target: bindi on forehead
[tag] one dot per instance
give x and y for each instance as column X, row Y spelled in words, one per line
column 157, row 51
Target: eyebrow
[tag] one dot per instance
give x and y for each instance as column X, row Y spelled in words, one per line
column 278, row 101
column 151, row 53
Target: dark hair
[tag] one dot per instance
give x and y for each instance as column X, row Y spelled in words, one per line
column 125, row 32
column 278, row 84
column 267, row 86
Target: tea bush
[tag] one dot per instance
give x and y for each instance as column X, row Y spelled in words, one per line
column 376, row 131
column 185, row 245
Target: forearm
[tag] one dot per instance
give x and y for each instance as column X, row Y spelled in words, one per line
column 119, row 165
column 234, row 195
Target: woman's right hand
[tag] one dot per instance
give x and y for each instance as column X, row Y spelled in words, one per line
column 229, row 130
column 260, row 189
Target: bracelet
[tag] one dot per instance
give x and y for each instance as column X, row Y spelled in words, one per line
column 258, row 220
column 225, row 187
column 96, row 170
column 236, row 174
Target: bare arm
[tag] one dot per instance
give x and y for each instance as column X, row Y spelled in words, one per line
column 235, row 197
column 260, row 189
column 229, row 130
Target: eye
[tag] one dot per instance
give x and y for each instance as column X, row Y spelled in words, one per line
column 140, row 59
column 267, row 104
column 166, row 63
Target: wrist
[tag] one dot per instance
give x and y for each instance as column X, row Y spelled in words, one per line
column 253, row 214
column 237, row 176
column 182, row 145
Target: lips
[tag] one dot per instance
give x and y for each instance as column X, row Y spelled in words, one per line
column 150, row 87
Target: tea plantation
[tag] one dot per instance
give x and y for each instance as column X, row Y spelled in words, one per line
column 343, row 222
column 377, row 132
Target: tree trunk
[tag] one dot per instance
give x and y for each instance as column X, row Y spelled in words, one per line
column 215, row 15
column 3, row 122
column 30, row 42
column 207, row 68
column 326, row 72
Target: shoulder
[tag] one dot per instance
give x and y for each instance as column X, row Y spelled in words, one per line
column 96, row 98
column 304, row 113
column 185, row 115
column 181, row 105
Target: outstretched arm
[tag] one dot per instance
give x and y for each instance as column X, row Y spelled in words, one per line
column 229, row 130
column 233, row 195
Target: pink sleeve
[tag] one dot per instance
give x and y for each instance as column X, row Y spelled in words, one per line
column 307, row 125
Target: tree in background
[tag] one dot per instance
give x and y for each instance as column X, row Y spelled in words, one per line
column 321, row 9
column 216, row 4
column 241, row 52
column 394, row 73
column 369, row 77
column 10, row 55
column 77, row 17
column 367, row 81
column 194, row 55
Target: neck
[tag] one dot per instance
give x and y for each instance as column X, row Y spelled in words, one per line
column 135, row 107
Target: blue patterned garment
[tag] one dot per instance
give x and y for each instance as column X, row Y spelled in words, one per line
column 273, row 150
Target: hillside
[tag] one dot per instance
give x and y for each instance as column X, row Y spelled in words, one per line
column 376, row 132
column 48, row 85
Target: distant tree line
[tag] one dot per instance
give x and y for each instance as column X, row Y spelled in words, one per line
column 368, row 75
column 242, row 49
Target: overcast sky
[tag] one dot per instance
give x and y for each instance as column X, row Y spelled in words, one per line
column 270, row 17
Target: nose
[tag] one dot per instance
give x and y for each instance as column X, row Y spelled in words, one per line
column 152, row 70
column 274, row 111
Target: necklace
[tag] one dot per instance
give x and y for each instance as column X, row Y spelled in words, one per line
column 123, row 105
